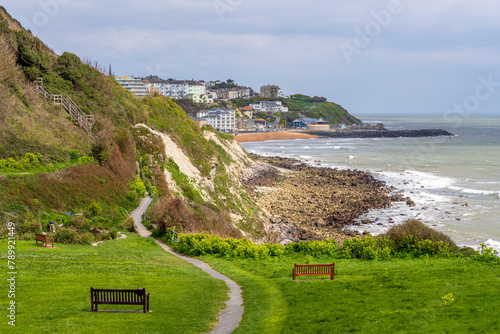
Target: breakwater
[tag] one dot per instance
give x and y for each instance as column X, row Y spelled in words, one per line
column 382, row 133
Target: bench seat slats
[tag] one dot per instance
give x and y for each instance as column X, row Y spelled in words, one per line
column 119, row 297
column 314, row 269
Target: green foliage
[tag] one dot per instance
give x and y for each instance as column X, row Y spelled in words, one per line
column 137, row 187
column 397, row 296
column 30, row 161
column 315, row 248
column 101, row 152
column 128, row 224
column 201, row 244
column 74, row 155
column 165, row 115
column 64, row 275
column 67, row 236
column 29, row 227
column 182, row 180
column 368, row 248
column 380, row 248
column 94, row 208
column 487, row 254
column 414, row 237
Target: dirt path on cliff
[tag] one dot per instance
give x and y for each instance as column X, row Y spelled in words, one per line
column 230, row 317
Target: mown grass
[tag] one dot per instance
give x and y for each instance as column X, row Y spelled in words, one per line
column 397, row 296
column 53, row 289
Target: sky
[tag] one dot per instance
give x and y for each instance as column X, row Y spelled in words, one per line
column 371, row 57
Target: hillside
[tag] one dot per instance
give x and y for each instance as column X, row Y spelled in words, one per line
column 51, row 169
column 317, row 107
column 305, row 106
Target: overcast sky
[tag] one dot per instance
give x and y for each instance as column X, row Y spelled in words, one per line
column 377, row 57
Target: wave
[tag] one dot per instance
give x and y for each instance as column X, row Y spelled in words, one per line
column 429, row 180
column 476, row 191
column 493, row 244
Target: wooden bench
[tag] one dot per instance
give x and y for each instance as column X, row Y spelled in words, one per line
column 43, row 239
column 313, row 270
column 119, row 297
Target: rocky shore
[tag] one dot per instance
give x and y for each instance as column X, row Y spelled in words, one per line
column 310, row 203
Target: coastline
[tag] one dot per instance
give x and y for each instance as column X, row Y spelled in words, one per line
column 280, row 135
column 314, row 203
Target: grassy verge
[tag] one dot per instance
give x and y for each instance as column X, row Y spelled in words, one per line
column 53, row 289
column 397, row 296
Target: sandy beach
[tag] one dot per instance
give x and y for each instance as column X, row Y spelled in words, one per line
column 263, row 136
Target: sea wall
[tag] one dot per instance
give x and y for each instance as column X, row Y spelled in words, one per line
column 383, row 133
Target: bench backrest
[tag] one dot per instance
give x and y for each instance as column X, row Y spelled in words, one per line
column 312, row 269
column 125, row 296
column 42, row 237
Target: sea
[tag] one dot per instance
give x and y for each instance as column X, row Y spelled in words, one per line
column 453, row 180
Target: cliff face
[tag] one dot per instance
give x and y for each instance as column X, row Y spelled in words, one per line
column 195, row 172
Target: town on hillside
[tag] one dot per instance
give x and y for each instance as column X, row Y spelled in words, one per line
column 261, row 111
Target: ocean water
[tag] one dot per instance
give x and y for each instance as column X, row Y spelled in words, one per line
column 454, row 181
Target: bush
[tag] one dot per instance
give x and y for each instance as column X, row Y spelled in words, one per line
column 487, row 254
column 415, row 228
column 138, row 186
column 74, row 155
column 315, row 248
column 67, row 236
column 85, row 160
column 201, row 244
column 94, row 208
column 368, row 248
column 28, row 227
column 170, row 212
column 128, row 224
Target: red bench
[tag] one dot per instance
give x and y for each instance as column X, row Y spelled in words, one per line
column 314, row 270
column 119, row 297
column 44, row 240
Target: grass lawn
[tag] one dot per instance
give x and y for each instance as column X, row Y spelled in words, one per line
column 397, row 296
column 53, row 289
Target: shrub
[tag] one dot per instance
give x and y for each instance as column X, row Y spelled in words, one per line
column 201, row 244
column 85, row 160
column 487, row 254
column 94, row 208
column 415, row 228
column 86, row 238
column 315, row 248
column 67, row 236
column 128, row 224
column 74, row 155
column 28, row 227
column 138, row 186
column 368, row 248
column 169, row 212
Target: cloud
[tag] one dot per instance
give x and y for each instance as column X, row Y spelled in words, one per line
column 429, row 48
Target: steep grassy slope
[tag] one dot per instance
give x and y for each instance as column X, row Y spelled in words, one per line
column 317, row 108
column 193, row 169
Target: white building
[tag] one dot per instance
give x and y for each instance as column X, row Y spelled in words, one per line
column 177, row 89
column 221, row 119
column 196, row 88
column 269, row 107
column 133, row 84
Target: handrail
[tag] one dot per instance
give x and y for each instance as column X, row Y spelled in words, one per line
column 83, row 120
